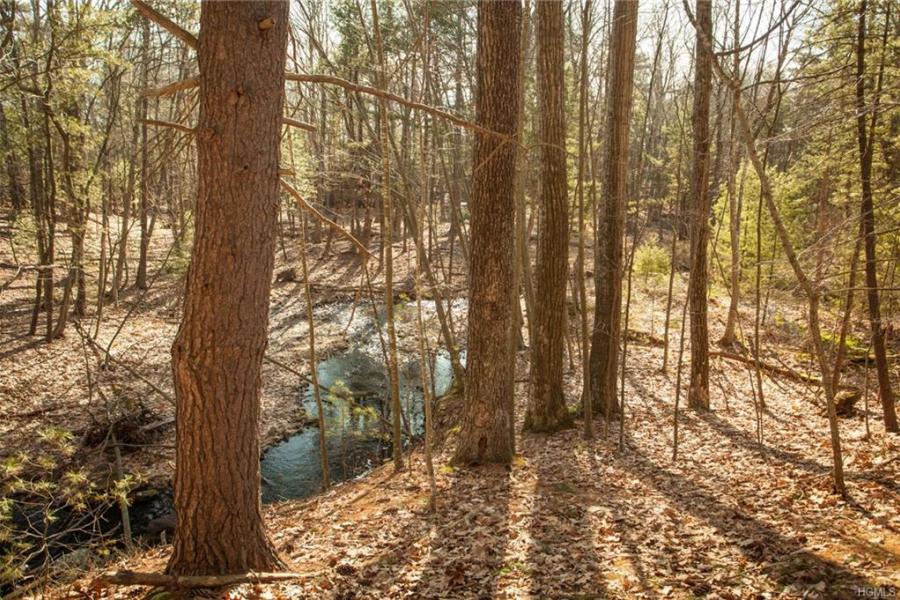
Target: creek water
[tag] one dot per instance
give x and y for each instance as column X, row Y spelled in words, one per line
column 356, row 410
column 357, row 425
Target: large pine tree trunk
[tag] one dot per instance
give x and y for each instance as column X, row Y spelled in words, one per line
column 547, row 407
column 219, row 349
column 487, row 411
column 698, row 395
column 868, row 223
column 608, row 270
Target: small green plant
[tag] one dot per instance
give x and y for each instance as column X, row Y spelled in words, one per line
column 46, row 495
column 650, row 260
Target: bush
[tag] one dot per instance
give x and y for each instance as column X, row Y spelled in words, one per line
column 651, row 260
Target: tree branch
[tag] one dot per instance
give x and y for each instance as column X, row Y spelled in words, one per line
column 299, row 124
column 371, row 91
column 308, row 207
column 168, row 90
column 166, row 23
column 178, row 126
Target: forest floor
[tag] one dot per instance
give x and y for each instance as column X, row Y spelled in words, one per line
column 571, row 518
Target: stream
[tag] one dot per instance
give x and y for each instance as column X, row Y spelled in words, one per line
column 357, row 430
column 357, row 423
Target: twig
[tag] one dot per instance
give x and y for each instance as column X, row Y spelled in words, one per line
column 307, row 206
column 371, row 91
column 299, row 124
column 177, row 86
column 185, row 128
column 109, row 355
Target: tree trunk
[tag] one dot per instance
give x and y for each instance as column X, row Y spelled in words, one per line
column 140, row 280
column 485, row 421
column 866, row 145
column 15, row 189
column 585, row 337
column 734, row 199
column 608, row 270
column 387, row 244
column 698, row 391
column 547, row 407
column 219, row 348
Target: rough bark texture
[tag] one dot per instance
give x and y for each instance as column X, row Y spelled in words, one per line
column 485, row 423
column 547, row 407
column 608, row 273
column 698, row 394
column 219, row 348
column 868, row 223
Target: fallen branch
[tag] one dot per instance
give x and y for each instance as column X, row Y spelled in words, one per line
column 166, row 23
column 194, row 581
column 769, row 367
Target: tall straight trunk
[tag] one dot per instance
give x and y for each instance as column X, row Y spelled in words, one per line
column 218, row 352
column 698, row 391
column 120, row 275
column 15, row 190
column 523, row 261
column 485, row 420
column 140, row 280
column 866, row 146
column 387, row 240
column 606, row 335
column 547, row 406
column 815, row 331
column 585, row 337
column 734, row 200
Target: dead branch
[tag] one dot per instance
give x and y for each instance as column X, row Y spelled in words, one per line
column 191, row 131
column 194, row 581
column 166, row 23
column 156, row 123
column 371, row 91
column 299, row 124
column 134, row 372
column 308, row 207
column 177, row 86
column 769, row 367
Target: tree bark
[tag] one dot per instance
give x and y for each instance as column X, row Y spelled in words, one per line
column 547, row 410
column 218, row 352
column 608, row 270
column 698, row 391
column 485, row 421
column 140, row 280
column 866, row 145
column 15, row 189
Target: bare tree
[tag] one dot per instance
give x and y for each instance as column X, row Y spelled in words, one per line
column 547, row 407
column 866, row 152
column 698, row 392
column 485, row 421
column 606, row 335
column 218, row 352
